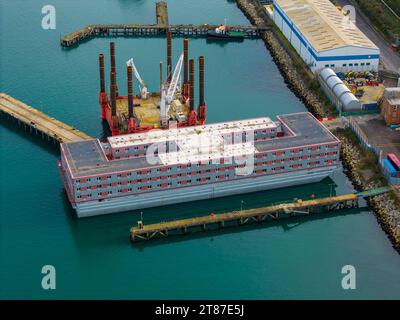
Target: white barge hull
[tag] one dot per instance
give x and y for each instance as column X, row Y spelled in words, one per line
column 202, row 192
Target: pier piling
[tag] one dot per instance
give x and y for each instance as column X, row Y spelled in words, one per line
column 161, row 75
column 130, row 92
column 112, row 56
column 113, row 66
column 113, row 95
column 102, row 80
column 169, row 57
column 191, row 80
column 201, row 81
column 201, row 110
column 185, row 60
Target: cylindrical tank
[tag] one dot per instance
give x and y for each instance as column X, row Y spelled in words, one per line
column 350, row 102
column 340, row 89
column 333, row 82
column 326, row 73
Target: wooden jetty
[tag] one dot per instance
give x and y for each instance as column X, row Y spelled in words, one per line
column 37, row 122
column 161, row 27
column 273, row 212
column 162, row 14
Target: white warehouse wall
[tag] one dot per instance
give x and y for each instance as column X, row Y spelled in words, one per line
column 294, row 40
column 349, row 63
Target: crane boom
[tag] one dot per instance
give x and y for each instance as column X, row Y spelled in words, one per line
column 174, row 80
column 139, row 78
column 135, row 71
column 167, row 96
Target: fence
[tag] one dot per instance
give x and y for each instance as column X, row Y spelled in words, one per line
column 363, row 139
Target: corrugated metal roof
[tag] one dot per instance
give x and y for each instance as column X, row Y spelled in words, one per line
column 324, row 26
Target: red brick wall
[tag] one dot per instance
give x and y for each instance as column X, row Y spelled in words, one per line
column 390, row 113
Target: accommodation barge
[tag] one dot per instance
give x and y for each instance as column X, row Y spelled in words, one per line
column 162, row 167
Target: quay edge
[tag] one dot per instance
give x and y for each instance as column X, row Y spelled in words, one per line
column 315, row 104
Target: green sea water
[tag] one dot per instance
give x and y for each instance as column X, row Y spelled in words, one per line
column 93, row 257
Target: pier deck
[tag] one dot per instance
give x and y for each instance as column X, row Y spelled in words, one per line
column 147, row 232
column 161, row 27
column 273, row 212
column 137, row 30
column 162, row 14
column 38, row 122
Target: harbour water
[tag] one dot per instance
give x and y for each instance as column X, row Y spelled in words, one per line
column 93, row 257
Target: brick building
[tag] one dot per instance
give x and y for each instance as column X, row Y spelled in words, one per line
column 390, row 106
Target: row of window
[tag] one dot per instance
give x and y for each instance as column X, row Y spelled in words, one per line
column 307, row 156
column 136, row 155
column 168, row 169
column 258, row 139
column 185, row 182
column 145, row 180
column 161, row 185
column 350, row 65
column 144, row 147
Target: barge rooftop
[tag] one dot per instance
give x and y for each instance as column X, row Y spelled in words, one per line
column 88, row 158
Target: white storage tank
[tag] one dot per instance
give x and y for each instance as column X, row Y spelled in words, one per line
column 327, row 73
column 340, row 91
column 333, row 82
column 350, row 102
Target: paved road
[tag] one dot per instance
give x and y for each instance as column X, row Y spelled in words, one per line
column 389, row 58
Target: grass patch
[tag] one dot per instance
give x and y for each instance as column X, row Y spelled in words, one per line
column 382, row 18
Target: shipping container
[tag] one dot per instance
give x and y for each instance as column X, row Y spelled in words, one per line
column 370, row 106
column 394, row 161
column 389, row 168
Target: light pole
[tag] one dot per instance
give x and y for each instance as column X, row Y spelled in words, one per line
column 331, row 189
column 140, row 223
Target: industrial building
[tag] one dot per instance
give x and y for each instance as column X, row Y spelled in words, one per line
column 324, row 37
column 390, row 106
